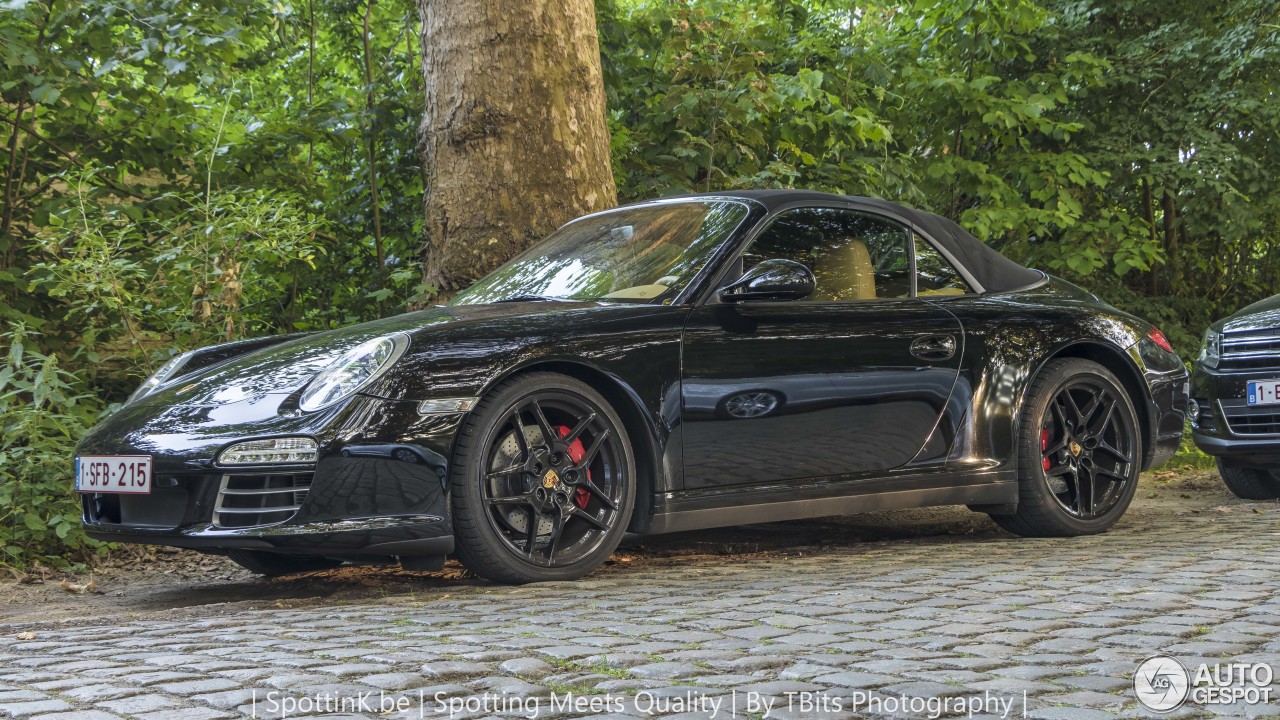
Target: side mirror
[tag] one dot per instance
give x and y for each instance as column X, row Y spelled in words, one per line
column 771, row 280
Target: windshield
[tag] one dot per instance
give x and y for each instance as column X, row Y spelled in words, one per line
column 645, row 254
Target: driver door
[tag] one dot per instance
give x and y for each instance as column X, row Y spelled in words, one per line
column 849, row 381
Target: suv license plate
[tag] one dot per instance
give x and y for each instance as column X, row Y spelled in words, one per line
column 1264, row 392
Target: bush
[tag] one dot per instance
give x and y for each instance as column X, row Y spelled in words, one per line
column 133, row 285
column 43, row 412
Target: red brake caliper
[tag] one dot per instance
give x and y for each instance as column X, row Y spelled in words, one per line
column 1044, row 445
column 576, row 451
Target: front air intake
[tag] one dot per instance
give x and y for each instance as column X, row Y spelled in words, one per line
column 254, row 500
column 1245, row 420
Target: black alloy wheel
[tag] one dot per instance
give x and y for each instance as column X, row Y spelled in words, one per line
column 1086, row 447
column 1079, row 452
column 544, row 481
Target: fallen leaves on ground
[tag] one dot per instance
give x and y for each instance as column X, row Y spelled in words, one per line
column 77, row 588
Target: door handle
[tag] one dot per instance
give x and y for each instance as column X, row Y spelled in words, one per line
column 934, row 347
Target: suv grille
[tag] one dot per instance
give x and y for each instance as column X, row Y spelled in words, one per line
column 1257, row 420
column 1250, row 350
column 251, row 500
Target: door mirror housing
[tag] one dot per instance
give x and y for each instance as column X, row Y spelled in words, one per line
column 775, row 280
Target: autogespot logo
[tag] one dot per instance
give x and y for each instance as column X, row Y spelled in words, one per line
column 1161, row 683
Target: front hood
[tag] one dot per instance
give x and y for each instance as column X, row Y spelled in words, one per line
column 286, row 368
column 1262, row 315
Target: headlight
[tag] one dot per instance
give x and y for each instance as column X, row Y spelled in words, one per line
column 354, row 370
column 159, row 377
column 263, row 452
column 1211, row 350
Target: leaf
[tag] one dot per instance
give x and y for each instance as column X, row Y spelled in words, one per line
column 74, row 588
column 45, row 94
column 106, row 67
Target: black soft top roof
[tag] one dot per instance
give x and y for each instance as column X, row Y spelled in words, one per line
column 992, row 271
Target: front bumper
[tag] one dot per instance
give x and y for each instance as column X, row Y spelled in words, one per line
column 1226, row 426
column 378, row 489
column 424, row 536
column 1166, row 414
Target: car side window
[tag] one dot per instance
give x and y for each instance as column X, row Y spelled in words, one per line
column 853, row 255
column 936, row 276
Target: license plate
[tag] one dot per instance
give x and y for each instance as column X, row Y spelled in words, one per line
column 114, row 474
column 1264, row 392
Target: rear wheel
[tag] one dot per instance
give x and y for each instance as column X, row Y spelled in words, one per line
column 543, row 481
column 1079, row 452
column 274, row 564
column 1249, row 483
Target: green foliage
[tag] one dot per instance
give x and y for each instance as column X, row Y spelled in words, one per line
column 177, row 280
column 138, row 107
column 176, row 174
column 723, row 94
column 42, row 415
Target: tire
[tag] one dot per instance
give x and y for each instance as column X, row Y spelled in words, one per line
column 270, row 564
column 527, row 510
column 1074, row 481
column 1249, row 483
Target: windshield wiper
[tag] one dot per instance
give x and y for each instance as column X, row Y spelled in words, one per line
column 533, row 298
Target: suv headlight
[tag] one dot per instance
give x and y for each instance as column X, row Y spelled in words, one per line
column 350, row 373
column 1211, row 350
column 159, row 377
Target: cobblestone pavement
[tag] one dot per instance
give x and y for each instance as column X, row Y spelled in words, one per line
column 1064, row 621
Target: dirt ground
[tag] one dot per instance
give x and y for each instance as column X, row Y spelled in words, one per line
column 168, row 583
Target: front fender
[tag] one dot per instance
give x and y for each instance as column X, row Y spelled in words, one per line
column 629, row 353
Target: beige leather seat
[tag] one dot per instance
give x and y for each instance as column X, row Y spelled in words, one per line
column 845, row 273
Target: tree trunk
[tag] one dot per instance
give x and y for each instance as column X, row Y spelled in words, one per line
column 513, row 140
column 379, row 251
column 1148, row 206
column 13, row 178
column 1171, row 242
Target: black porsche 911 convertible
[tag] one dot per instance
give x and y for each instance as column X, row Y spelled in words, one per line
column 692, row 362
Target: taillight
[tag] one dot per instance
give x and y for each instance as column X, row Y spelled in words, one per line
column 1160, row 340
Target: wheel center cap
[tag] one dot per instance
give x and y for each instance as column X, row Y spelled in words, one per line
column 1075, row 448
column 550, row 480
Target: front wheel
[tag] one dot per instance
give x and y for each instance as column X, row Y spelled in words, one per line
column 1249, row 483
column 1079, row 452
column 543, row 481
